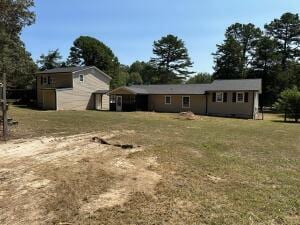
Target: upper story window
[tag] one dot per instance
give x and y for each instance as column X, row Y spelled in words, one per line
column 186, row 102
column 240, row 97
column 81, row 78
column 168, row 100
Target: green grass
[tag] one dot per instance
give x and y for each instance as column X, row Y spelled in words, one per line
column 258, row 163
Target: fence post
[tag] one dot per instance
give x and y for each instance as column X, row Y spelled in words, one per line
column 4, row 109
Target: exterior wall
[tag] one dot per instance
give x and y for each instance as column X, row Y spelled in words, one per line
column 229, row 108
column 105, row 102
column 60, row 80
column 197, row 104
column 81, row 96
column 49, row 99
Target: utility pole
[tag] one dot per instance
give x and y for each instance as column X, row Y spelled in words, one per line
column 4, row 109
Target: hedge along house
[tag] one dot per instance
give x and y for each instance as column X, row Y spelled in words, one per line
column 73, row 88
column 230, row 98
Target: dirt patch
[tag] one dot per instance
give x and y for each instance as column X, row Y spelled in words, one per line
column 58, row 180
column 188, row 116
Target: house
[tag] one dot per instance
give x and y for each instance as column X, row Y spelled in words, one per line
column 233, row 98
column 73, row 88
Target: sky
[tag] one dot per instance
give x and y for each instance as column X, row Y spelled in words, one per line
column 129, row 27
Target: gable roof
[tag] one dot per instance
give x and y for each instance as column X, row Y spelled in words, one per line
column 196, row 89
column 72, row 70
column 65, row 70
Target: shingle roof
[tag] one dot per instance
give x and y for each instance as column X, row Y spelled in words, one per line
column 237, row 85
column 190, row 89
column 194, row 89
column 65, row 70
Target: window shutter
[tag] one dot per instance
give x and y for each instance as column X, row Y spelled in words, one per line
column 225, row 97
column 42, row 80
column 49, row 80
column 234, row 97
column 214, row 97
column 246, row 97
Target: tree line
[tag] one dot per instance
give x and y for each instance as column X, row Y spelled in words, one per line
column 247, row 52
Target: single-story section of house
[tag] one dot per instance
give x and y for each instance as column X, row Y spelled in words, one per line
column 73, row 88
column 232, row 98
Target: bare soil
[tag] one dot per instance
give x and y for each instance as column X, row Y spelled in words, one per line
column 52, row 180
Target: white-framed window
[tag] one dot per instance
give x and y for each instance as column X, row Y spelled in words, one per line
column 219, row 97
column 168, row 100
column 240, row 97
column 186, row 102
column 81, row 78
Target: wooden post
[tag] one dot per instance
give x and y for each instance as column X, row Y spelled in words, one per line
column 4, row 109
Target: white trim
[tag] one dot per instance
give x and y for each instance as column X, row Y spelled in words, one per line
column 168, row 96
column 237, row 97
column 222, row 93
column 189, row 102
column 93, row 67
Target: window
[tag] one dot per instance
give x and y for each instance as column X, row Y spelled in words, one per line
column 240, row 97
column 186, row 102
column 219, row 97
column 168, row 100
column 45, row 80
column 81, row 78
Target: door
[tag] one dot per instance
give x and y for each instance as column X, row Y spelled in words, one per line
column 98, row 102
column 119, row 104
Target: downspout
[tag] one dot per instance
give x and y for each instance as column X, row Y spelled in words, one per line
column 206, row 103
column 253, row 105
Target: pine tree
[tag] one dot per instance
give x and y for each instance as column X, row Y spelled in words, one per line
column 172, row 59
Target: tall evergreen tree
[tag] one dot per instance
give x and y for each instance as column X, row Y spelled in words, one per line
column 232, row 58
column 50, row 61
column 89, row 51
column 172, row 59
column 228, row 60
column 286, row 31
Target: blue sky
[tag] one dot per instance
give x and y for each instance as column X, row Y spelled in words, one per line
column 129, row 27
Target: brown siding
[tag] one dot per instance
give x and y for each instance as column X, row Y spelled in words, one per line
column 81, row 96
column 230, row 108
column 49, row 99
column 157, row 103
column 61, row 80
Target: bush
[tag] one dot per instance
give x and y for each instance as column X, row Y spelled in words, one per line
column 289, row 103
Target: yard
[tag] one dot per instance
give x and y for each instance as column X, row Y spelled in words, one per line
column 204, row 171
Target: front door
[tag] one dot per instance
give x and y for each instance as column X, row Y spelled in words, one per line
column 119, row 104
column 98, row 101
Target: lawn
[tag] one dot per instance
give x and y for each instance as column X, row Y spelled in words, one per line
column 213, row 170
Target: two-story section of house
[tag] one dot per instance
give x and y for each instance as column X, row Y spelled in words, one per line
column 73, row 88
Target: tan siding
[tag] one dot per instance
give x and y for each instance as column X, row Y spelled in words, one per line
column 157, row 103
column 81, row 96
column 230, row 108
column 61, row 80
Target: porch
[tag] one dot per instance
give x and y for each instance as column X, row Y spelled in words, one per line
column 128, row 102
